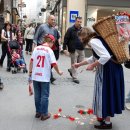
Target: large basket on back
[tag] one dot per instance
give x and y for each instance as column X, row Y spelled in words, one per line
column 106, row 28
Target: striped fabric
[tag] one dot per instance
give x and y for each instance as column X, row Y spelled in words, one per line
column 97, row 96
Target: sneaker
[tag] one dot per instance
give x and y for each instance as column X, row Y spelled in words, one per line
column 75, row 80
column 127, row 106
column 103, row 125
column 45, row 117
column 70, row 72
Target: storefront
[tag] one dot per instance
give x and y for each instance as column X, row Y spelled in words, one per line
column 90, row 11
column 96, row 10
column 63, row 10
column 60, row 12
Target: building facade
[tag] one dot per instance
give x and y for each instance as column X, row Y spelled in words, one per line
column 95, row 10
column 35, row 11
column 89, row 10
column 9, row 10
column 66, row 11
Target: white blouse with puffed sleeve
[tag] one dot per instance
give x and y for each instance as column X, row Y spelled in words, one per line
column 100, row 50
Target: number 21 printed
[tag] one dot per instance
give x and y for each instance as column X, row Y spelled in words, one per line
column 40, row 61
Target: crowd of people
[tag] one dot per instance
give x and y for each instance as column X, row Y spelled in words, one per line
column 43, row 46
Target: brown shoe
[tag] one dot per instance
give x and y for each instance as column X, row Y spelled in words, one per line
column 45, row 117
column 103, row 125
column 38, row 115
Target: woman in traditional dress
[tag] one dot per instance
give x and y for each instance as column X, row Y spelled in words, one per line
column 108, row 98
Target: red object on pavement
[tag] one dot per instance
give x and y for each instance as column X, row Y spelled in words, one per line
column 60, row 110
column 90, row 111
column 81, row 112
column 71, row 118
column 56, row 116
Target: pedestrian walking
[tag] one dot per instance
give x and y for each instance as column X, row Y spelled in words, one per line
column 108, row 98
column 56, row 46
column 29, row 36
column 6, row 36
column 75, row 47
column 40, row 71
column 43, row 29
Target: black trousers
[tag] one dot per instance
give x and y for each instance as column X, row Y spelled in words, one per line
column 56, row 53
column 5, row 51
column 29, row 43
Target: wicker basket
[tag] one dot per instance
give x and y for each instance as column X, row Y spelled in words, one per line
column 106, row 28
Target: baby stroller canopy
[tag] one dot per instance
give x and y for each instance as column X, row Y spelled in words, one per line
column 13, row 44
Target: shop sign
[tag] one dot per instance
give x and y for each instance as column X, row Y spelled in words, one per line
column 73, row 15
column 92, row 19
column 122, row 19
column 21, row 5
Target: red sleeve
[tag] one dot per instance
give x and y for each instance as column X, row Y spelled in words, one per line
column 54, row 47
column 53, row 64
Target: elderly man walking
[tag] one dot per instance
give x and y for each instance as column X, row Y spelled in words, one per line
column 45, row 28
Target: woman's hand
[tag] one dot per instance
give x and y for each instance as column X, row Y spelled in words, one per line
column 90, row 67
column 76, row 65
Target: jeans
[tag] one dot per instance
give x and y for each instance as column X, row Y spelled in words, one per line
column 41, row 96
column 128, row 98
column 20, row 62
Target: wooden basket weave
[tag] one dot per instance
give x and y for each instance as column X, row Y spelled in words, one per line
column 106, row 28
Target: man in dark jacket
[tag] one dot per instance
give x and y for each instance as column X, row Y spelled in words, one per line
column 75, row 47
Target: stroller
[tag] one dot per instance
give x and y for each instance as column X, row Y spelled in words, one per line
column 14, row 45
